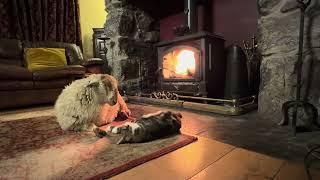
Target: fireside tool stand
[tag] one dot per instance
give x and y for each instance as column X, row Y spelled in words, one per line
column 295, row 104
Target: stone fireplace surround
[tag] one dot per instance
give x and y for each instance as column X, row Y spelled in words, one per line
column 278, row 27
column 132, row 54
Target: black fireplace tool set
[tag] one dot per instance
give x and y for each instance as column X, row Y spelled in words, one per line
column 298, row 102
column 313, row 149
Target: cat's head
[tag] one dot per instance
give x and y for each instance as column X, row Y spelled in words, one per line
column 129, row 134
column 176, row 116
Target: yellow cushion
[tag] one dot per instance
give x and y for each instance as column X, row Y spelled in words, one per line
column 43, row 58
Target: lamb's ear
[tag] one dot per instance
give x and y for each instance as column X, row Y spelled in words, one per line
column 93, row 84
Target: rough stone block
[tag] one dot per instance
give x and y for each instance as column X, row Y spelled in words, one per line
column 278, row 44
column 278, row 35
column 119, row 22
column 131, row 68
column 143, row 20
column 266, row 6
column 152, row 37
column 290, row 5
column 137, row 73
column 114, row 4
column 277, row 79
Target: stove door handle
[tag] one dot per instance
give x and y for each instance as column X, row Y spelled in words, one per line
column 210, row 56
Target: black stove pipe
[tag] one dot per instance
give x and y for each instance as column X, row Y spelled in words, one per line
column 190, row 10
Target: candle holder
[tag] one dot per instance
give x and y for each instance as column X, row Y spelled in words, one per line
column 251, row 50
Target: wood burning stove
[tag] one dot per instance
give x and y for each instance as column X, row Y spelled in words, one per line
column 192, row 65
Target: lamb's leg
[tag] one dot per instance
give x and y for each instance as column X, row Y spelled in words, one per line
column 152, row 114
column 107, row 114
column 123, row 106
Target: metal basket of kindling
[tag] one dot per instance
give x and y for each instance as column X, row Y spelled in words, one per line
column 174, row 96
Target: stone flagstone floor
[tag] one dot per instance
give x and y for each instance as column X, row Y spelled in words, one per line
column 240, row 147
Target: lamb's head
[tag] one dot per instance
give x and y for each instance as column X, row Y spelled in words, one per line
column 104, row 88
column 111, row 87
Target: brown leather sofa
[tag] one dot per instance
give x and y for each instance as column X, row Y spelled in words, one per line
column 20, row 87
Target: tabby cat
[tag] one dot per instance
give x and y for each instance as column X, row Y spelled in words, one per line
column 148, row 127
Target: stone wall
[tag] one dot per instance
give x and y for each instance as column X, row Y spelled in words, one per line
column 278, row 28
column 131, row 55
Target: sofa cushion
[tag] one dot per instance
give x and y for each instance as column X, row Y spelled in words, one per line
column 44, row 58
column 59, row 72
column 51, row 84
column 9, row 72
column 15, row 85
column 73, row 52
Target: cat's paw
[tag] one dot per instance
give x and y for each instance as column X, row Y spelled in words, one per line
column 109, row 128
column 152, row 114
column 114, row 129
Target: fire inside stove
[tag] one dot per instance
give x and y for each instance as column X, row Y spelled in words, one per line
column 180, row 64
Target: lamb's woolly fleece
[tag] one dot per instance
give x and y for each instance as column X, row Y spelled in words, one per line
column 79, row 104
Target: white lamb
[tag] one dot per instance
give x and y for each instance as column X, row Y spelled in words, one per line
column 78, row 106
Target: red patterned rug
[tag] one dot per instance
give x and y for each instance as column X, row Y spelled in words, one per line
column 37, row 148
